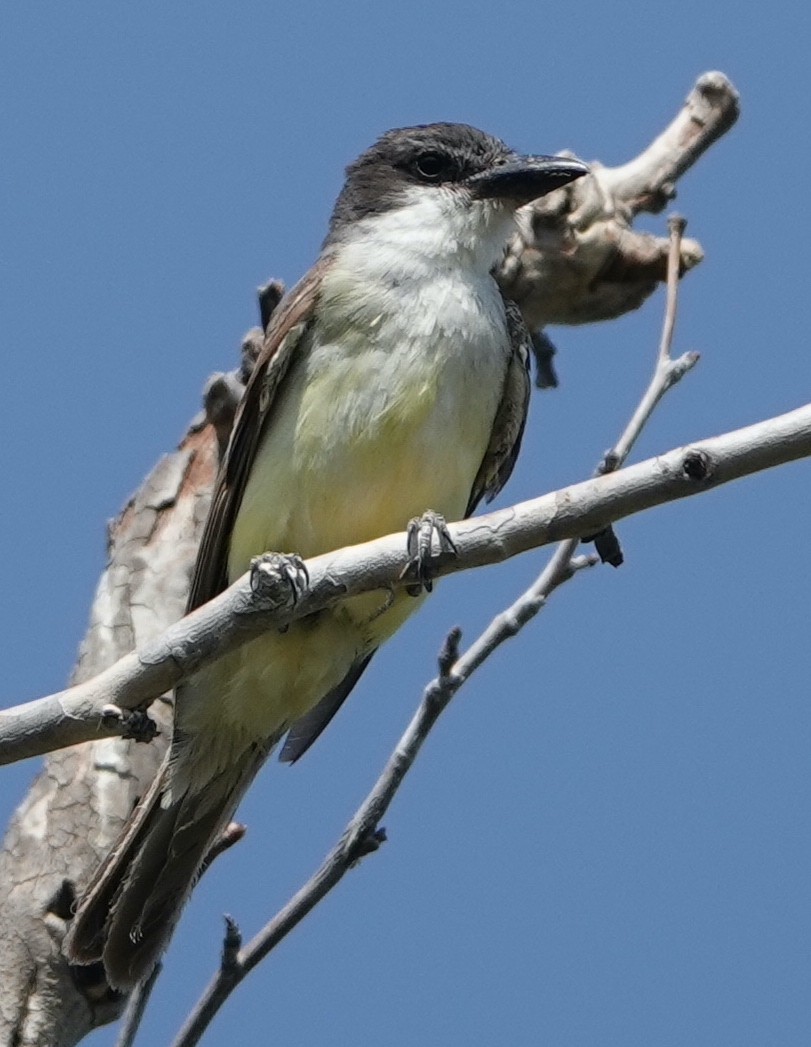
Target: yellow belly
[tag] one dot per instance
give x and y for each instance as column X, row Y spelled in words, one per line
column 359, row 442
column 348, row 458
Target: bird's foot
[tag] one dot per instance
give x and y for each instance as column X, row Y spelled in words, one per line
column 421, row 532
column 135, row 724
column 278, row 581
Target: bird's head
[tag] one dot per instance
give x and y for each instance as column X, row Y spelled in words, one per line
column 444, row 187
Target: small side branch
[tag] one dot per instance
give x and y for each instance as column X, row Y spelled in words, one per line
column 136, row 1006
column 578, row 257
column 647, row 183
column 667, row 371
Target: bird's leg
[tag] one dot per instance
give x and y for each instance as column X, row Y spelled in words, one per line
column 278, row 580
column 136, row 723
column 420, row 545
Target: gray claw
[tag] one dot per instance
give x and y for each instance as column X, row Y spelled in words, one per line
column 420, row 541
column 278, row 579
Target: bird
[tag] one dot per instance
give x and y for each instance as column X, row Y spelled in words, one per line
column 392, row 385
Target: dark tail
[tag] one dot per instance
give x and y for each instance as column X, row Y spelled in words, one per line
column 131, row 906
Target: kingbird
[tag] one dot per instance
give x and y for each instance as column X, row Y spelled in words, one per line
column 393, row 380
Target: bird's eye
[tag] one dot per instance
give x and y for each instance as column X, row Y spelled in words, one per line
column 430, row 166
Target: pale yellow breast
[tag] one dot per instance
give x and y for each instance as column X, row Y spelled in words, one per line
column 372, row 429
column 381, row 417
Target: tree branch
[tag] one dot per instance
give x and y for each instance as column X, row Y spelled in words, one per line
column 648, row 183
column 136, row 1007
column 578, row 259
column 239, row 614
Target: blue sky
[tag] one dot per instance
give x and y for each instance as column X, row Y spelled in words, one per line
column 606, row 840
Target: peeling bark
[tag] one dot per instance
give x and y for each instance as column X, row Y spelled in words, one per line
column 83, row 795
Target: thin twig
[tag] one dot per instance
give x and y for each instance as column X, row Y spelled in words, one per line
column 361, row 836
column 676, row 225
column 231, row 834
column 136, row 1005
column 666, row 374
column 667, row 371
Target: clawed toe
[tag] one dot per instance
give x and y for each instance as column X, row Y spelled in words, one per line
column 421, row 532
column 278, row 580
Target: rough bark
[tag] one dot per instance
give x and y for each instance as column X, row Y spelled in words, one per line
column 80, row 800
column 577, row 260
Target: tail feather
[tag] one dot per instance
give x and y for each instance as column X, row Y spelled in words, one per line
column 134, row 901
column 85, row 939
column 148, row 903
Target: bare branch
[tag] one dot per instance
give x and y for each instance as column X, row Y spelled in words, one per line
column 136, row 1006
column 231, row 834
column 647, row 183
column 578, row 259
column 233, row 618
column 676, row 225
column 360, row 837
column 667, row 371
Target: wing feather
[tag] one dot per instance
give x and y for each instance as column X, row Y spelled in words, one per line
column 287, row 325
column 511, row 415
column 304, row 731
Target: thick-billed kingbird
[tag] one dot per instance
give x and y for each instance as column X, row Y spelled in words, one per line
column 393, row 380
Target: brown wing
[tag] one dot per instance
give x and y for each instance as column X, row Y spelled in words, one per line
column 308, row 728
column 511, row 416
column 288, row 324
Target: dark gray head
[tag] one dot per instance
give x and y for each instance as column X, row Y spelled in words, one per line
column 446, row 156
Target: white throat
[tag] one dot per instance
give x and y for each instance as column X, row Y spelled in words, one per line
column 431, row 230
